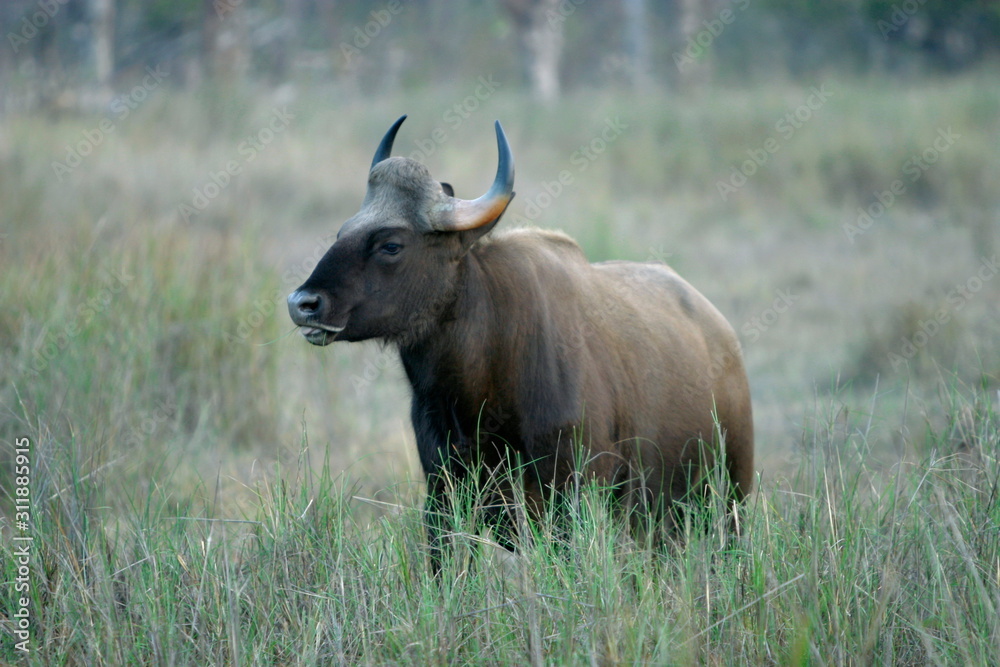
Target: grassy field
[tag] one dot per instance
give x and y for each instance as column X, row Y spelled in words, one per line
column 207, row 488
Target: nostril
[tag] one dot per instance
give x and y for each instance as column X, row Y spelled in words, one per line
column 309, row 304
column 306, row 303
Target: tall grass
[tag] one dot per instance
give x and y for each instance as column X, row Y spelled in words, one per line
column 840, row 563
column 128, row 364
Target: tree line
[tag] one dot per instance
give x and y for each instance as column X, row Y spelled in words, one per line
column 550, row 45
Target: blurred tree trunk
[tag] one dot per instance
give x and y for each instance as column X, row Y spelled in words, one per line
column 327, row 12
column 539, row 28
column 102, row 13
column 328, row 16
column 636, row 43
column 286, row 41
column 224, row 40
column 693, row 15
column 443, row 22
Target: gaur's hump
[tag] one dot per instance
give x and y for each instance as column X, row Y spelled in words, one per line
column 533, row 237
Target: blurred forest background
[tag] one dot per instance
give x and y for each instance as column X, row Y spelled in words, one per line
column 60, row 51
column 824, row 172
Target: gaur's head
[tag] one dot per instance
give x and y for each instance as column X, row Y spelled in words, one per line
column 393, row 269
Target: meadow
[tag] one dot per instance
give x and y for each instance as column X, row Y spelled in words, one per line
column 206, row 488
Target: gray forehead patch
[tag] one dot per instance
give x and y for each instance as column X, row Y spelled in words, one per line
column 400, row 190
column 400, row 172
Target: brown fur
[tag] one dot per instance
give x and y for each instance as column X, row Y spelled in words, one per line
column 550, row 344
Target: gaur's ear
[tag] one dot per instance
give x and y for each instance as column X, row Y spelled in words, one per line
column 448, row 190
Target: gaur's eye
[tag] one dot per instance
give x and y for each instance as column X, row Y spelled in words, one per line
column 390, row 248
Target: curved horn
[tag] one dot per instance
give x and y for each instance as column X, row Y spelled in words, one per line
column 385, row 148
column 459, row 215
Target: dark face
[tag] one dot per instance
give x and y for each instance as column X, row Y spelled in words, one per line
column 393, row 270
column 387, row 276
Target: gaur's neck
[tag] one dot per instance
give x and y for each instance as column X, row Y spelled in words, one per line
column 467, row 331
column 501, row 353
